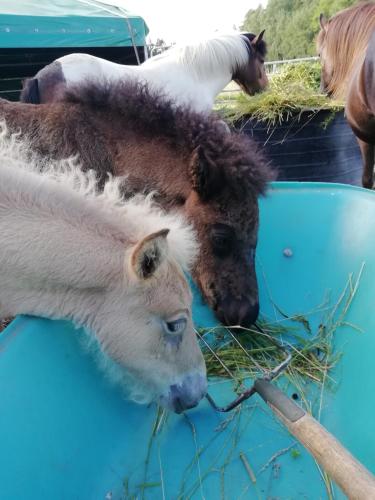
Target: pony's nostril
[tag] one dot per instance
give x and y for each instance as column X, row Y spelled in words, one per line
column 178, row 406
column 238, row 312
column 249, row 315
column 188, row 393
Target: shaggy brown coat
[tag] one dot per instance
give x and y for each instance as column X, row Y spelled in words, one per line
column 346, row 45
column 188, row 158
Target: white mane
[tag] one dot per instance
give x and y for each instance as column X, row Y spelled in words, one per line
column 111, row 208
column 207, row 56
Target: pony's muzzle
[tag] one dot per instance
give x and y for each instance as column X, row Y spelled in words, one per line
column 187, row 394
column 242, row 312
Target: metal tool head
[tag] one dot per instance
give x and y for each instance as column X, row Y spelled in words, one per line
column 267, row 375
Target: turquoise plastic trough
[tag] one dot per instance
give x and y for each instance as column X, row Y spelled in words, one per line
column 65, row 433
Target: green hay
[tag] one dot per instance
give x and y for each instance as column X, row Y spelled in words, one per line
column 243, row 350
column 291, row 92
column 311, row 358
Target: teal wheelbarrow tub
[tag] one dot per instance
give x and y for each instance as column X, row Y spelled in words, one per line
column 66, row 433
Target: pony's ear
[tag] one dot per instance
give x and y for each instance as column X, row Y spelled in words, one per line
column 323, row 21
column 206, row 177
column 258, row 39
column 149, row 253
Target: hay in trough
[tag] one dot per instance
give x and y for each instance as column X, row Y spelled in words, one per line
column 292, row 91
column 238, row 352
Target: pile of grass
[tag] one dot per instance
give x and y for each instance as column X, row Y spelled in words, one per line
column 246, row 352
column 293, row 90
column 240, row 353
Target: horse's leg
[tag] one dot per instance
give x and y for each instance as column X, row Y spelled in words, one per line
column 30, row 91
column 48, row 85
column 367, row 151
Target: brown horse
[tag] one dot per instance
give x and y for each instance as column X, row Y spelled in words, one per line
column 346, row 46
column 188, row 158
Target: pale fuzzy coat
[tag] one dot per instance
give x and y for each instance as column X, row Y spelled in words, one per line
column 65, row 251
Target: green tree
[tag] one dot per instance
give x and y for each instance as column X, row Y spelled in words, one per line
column 291, row 25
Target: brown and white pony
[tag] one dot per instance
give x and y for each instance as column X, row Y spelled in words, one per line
column 191, row 75
column 346, row 46
column 212, row 177
column 114, row 267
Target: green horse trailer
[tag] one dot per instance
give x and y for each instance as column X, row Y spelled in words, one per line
column 33, row 34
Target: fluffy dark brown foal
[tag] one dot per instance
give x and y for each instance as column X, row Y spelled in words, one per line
column 213, row 177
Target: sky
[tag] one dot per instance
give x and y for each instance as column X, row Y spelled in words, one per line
column 179, row 21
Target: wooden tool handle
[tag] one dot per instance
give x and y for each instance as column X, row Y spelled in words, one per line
column 349, row 474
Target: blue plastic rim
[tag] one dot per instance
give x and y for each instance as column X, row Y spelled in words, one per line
column 66, row 433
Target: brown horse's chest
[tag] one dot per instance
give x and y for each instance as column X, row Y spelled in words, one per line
column 360, row 105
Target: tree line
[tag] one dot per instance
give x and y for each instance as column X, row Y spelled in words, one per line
column 291, row 25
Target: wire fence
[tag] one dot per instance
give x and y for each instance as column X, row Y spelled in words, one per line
column 275, row 66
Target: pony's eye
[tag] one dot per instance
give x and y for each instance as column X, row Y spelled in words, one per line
column 221, row 243
column 223, row 238
column 222, row 247
column 175, row 326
